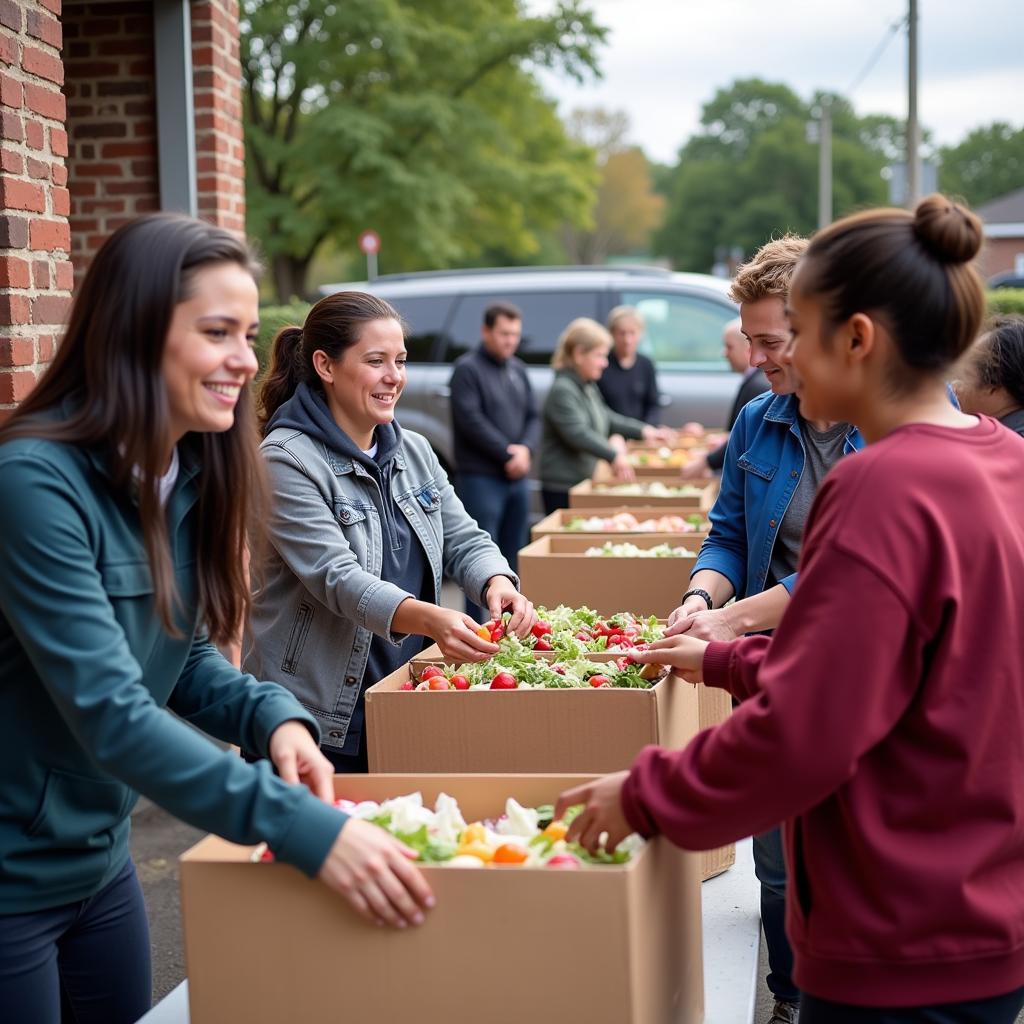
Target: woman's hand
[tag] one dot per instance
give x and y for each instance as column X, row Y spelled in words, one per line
column 690, row 607
column 297, row 758
column 456, row 634
column 696, row 468
column 621, row 468
column 602, row 812
column 684, row 654
column 373, row 871
column 502, row 596
column 704, row 625
column 657, row 435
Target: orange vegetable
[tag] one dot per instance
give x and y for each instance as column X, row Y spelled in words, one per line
column 509, row 853
column 483, row 632
column 556, row 830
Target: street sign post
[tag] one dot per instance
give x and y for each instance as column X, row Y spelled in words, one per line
column 369, row 244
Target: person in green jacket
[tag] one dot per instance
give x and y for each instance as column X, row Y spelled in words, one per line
column 578, row 426
column 128, row 481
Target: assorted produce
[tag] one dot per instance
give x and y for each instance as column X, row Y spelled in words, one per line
column 672, row 458
column 626, row 522
column 651, row 488
column 525, row 837
column 627, row 550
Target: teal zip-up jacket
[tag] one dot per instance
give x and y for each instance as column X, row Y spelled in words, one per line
column 86, row 675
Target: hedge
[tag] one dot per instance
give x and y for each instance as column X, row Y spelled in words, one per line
column 1006, row 300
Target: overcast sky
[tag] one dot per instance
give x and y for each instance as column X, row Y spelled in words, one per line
column 665, row 58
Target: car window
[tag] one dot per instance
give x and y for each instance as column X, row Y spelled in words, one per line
column 425, row 317
column 684, row 330
column 545, row 316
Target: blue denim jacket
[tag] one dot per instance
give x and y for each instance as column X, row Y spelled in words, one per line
column 762, row 468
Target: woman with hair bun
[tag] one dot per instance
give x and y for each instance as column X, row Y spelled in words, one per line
column 992, row 375
column 882, row 721
column 364, row 525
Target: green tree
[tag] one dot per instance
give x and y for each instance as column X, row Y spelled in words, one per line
column 987, row 164
column 752, row 173
column 421, row 119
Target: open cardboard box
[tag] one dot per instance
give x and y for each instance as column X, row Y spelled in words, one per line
column 603, row 473
column 588, row 494
column 555, row 731
column 611, row 945
column 556, row 570
column 556, row 522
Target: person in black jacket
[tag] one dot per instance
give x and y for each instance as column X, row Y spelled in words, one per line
column 737, row 351
column 629, row 385
column 496, row 428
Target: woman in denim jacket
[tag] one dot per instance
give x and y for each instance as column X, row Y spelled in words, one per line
column 364, row 526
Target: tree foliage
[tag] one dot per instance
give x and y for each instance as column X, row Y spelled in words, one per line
column 751, row 172
column 421, row 119
column 987, row 164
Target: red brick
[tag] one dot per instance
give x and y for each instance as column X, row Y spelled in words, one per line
column 46, row 344
column 16, row 385
column 10, row 15
column 95, row 69
column 42, row 26
column 41, row 274
column 144, row 168
column 101, row 27
column 13, row 272
column 147, row 204
column 99, row 171
column 14, row 309
column 49, row 234
column 48, row 102
column 13, row 231
column 76, row 50
column 51, row 5
column 59, row 173
column 125, row 87
column 58, row 142
column 144, row 129
column 65, row 275
column 50, row 309
column 39, row 62
column 112, row 150
column 137, row 47
column 61, row 199
column 38, row 168
column 12, row 127
column 34, row 134
column 131, row 188
column 10, row 91
column 21, row 195
column 84, row 188
column 102, row 130
column 11, row 162
column 17, row 352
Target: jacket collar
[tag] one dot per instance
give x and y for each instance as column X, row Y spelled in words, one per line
column 342, row 464
column 784, row 409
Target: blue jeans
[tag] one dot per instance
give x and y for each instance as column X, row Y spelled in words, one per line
column 81, row 963
column 770, row 868
column 501, row 508
column 994, row 1010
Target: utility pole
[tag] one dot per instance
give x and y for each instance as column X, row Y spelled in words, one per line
column 825, row 164
column 913, row 126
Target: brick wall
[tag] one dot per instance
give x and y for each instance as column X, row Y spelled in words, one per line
column 112, row 163
column 999, row 254
column 220, row 155
column 35, row 273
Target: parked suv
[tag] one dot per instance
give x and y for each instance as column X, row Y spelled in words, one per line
column 684, row 316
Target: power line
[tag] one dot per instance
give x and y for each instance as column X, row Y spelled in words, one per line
column 876, row 55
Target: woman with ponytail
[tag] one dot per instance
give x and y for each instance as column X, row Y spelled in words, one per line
column 882, row 721
column 364, row 526
column 128, row 481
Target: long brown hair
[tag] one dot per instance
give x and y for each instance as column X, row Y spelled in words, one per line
column 109, row 367
column 334, row 324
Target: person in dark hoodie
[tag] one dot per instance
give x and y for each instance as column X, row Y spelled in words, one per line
column 364, row 526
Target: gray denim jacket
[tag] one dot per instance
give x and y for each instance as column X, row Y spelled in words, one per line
column 320, row 596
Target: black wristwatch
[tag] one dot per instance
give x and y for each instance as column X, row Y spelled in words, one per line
column 697, row 592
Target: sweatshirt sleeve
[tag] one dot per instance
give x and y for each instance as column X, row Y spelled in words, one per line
column 838, row 674
column 470, row 419
column 625, row 425
column 52, row 595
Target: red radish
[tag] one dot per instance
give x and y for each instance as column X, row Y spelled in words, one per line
column 598, row 681
column 564, row 862
column 504, row 681
column 407, row 686
column 437, row 683
column 429, row 672
column 542, row 645
column 459, row 683
column 585, row 637
column 541, row 628
column 560, row 669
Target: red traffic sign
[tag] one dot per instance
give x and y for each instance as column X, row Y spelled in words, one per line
column 369, row 242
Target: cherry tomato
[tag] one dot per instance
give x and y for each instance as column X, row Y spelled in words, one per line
column 429, row 672
column 504, row 681
column 598, row 681
column 564, row 862
column 437, row 683
column 541, row 628
column 542, row 645
column 510, row 853
column 459, row 682
column 497, row 633
column 479, row 850
column 483, row 632
column 407, row 686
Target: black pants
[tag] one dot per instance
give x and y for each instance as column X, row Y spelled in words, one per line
column 554, row 500
column 995, row 1010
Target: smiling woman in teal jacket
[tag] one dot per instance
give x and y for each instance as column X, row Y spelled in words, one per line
column 127, row 481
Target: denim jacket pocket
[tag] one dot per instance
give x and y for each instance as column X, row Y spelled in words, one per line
column 429, row 498
column 348, row 513
column 762, row 469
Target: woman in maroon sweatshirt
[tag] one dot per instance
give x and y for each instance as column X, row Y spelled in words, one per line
column 884, row 720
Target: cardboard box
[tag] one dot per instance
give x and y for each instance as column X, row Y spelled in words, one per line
column 587, row 494
column 556, row 522
column 554, row 731
column 603, row 474
column 556, row 570
column 618, row 945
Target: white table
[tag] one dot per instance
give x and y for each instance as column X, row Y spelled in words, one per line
column 731, row 927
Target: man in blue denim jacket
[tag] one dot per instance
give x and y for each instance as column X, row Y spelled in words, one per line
column 773, row 466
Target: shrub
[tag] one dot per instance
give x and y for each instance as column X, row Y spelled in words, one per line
column 1006, row 301
column 272, row 319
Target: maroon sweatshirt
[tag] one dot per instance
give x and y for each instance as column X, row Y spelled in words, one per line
column 884, row 723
